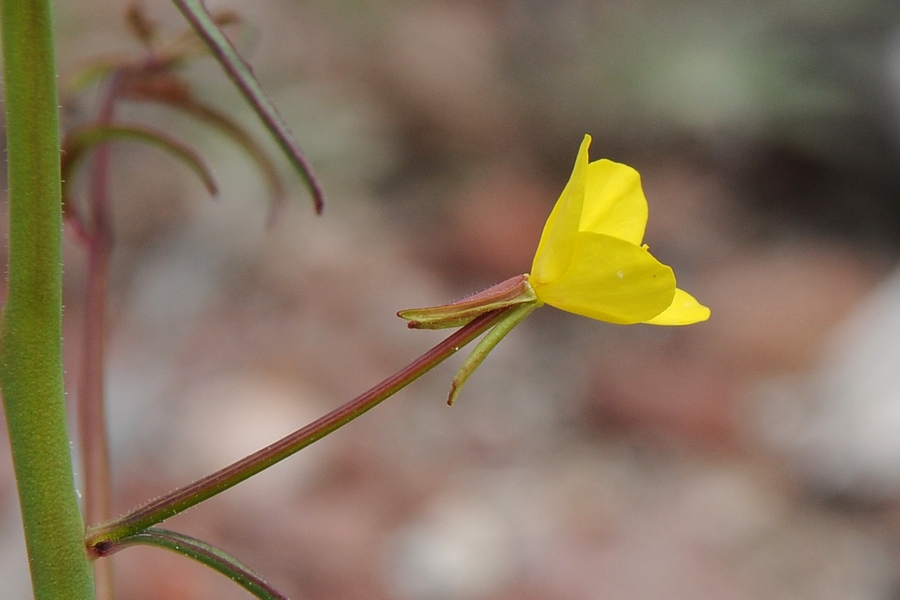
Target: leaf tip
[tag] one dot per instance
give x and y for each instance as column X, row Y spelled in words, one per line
column 318, row 198
column 455, row 388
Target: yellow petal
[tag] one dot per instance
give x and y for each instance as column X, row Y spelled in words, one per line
column 555, row 249
column 611, row 280
column 684, row 310
column 614, row 202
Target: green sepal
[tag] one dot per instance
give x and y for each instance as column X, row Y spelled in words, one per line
column 515, row 290
column 487, row 343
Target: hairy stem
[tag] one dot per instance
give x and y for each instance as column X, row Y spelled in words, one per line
column 31, row 370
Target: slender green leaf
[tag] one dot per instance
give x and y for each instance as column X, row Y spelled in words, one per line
column 242, row 76
column 206, row 554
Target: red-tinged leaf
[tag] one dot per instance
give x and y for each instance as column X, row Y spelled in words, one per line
column 144, row 29
column 189, row 45
column 78, row 142
column 166, row 90
column 515, row 290
column 242, row 76
column 85, row 74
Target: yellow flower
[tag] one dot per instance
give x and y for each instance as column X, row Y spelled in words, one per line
column 590, row 260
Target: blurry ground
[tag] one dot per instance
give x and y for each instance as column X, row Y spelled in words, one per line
column 737, row 459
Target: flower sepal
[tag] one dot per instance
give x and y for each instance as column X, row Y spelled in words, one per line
column 515, row 290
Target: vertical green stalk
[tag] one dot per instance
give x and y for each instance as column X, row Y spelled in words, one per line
column 31, row 354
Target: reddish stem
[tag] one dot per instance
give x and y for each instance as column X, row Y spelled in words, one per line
column 91, row 414
column 91, row 396
column 100, row 539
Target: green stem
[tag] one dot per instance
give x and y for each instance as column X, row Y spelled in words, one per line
column 31, row 374
column 100, row 538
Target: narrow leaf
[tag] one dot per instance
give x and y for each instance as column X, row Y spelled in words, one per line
column 184, row 102
column 84, row 74
column 242, row 76
column 80, row 141
column 189, row 44
column 204, row 553
column 143, row 28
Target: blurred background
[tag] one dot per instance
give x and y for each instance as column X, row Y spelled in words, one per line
column 753, row 456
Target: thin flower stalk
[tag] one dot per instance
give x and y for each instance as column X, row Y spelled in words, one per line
column 140, row 519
